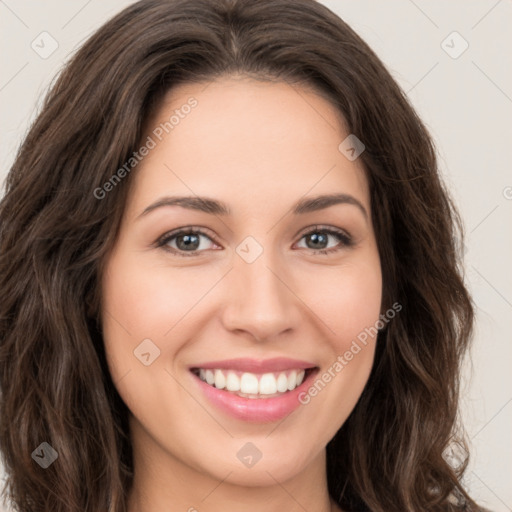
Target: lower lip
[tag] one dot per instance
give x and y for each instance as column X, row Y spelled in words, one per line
column 260, row 410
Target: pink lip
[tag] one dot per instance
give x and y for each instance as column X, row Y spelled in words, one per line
column 276, row 364
column 259, row 410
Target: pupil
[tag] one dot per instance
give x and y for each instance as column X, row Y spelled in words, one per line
column 315, row 238
column 189, row 241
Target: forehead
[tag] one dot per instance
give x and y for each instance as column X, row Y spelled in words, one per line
column 246, row 141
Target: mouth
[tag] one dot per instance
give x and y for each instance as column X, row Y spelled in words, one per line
column 252, row 390
column 253, row 385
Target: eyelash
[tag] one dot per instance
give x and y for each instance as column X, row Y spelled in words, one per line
column 345, row 239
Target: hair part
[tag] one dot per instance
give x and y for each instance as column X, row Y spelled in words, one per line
column 55, row 236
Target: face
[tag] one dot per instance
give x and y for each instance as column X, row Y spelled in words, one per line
column 229, row 324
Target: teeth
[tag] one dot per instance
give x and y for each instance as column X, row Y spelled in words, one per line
column 209, row 377
column 282, row 383
column 220, row 380
column 268, row 384
column 251, row 384
column 232, row 382
column 292, row 380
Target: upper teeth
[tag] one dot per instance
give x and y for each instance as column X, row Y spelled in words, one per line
column 252, row 383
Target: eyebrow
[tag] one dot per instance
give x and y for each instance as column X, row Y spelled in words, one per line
column 215, row 207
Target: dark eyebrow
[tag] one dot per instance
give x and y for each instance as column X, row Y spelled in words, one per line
column 312, row 204
column 202, row 204
column 214, row 207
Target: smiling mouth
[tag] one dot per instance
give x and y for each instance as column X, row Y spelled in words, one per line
column 254, row 385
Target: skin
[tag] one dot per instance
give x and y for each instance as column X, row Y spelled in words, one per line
column 259, row 147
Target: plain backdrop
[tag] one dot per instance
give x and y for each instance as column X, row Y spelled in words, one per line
column 453, row 58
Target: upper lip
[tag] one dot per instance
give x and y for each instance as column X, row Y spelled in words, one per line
column 275, row 364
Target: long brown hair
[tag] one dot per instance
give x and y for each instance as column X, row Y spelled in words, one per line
column 55, row 234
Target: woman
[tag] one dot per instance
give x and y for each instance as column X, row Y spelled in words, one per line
column 174, row 333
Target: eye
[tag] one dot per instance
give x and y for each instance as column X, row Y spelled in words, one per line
column 184, row 241
column 319, row 237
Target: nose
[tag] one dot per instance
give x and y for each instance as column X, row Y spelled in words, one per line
column 261, row 300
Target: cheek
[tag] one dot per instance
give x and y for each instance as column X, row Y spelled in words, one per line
column 148, row 301
column 346, row 299
column 143, row 302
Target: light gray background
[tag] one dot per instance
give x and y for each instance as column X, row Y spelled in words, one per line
column 466, row 103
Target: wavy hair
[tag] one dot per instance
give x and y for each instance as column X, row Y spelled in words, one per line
column 55, row 236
